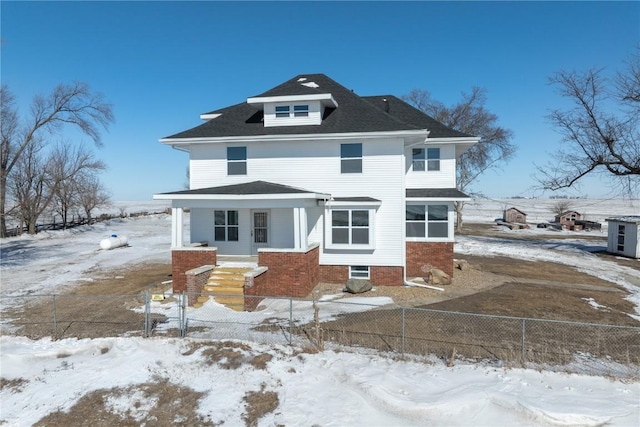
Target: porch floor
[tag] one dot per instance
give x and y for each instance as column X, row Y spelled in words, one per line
column 248, row 261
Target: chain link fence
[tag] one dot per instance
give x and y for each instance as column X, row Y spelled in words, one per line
column 348, row 322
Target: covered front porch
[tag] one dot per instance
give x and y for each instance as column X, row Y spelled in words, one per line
column 258, row 221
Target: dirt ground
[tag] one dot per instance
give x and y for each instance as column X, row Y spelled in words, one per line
column 489, row 285
column 512, row 287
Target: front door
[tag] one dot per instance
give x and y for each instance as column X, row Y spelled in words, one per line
column 259, row 230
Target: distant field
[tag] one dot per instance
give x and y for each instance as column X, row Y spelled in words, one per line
column 540, row 210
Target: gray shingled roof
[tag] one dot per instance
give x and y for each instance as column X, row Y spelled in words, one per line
column 354, row 114
column 247, row 188
column 434, row 193
column 406, row 113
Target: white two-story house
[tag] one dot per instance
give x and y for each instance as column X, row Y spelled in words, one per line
column 321, row 184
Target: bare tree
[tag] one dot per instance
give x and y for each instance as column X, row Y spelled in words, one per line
column 67, row 164
column 471, row 117
column 600, row 130
column 73, row 104
column 29, row 186
column 91, row 194
column 562, row 206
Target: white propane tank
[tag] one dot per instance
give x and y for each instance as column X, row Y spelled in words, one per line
column 114, row 241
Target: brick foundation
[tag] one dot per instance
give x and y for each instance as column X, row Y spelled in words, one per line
column 378, row 276
column 196, row 278
column 183, row 260
column 438, row 254
column 254, row 281
column 291, row 274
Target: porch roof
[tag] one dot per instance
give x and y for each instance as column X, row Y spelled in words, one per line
column 247, row 190
column 436, row 194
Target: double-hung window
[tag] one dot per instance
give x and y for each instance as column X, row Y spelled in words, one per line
column 418, row 159
column 351, row 158
column 282, row 111
column 236, row 160
column 300, row 111
column 433, row 159
column 429, row 158
column 350, row 227
column 226, row 226
column 427, row 221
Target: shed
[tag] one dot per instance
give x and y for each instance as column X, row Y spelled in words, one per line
column 568, row 219
column 624, row 235
column 514, row 215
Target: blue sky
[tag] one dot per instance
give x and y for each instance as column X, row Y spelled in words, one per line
column 161, row 64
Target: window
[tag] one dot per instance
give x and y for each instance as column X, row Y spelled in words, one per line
column 285, row 111
column 226, row 226
column 427, row 221
column 350, row 227
column 236, row 160
column 418, row 159
column 621, row 230
column 433, row 159
column 359, row 272
column 429, row 157
column 301, row 111
column 351, row 158
column 282, row 111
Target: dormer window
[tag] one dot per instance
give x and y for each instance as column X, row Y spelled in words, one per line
column 284, row 111
column 300, row 111
column 294, row 110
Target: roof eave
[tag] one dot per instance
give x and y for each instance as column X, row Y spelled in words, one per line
column 280, row 196
column 420, row 133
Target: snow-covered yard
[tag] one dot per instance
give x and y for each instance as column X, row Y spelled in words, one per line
column 328, row 388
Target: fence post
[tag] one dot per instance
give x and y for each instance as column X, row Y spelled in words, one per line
column 183, row 315
column 524, row 352
column 403, row 323
column 290, row 321
column 147, row 309
column 55, row 321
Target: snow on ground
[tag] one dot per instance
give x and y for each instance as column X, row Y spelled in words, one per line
column 327, row 388
column 323, row 389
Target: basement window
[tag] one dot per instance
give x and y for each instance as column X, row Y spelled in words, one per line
column 359, row 272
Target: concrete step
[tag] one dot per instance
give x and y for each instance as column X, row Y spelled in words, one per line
column 203, row 298
column 230, row 270
column 223, row 290
column 232, row 283
column 229, row 300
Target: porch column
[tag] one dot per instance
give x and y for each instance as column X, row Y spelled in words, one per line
column 177, row 239
column 300, row 228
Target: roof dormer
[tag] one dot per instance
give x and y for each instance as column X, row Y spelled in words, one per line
column 294, row 110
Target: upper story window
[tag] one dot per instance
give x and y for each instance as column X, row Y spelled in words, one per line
column 429, row 157
column 433, row 159
column 427, row 221
column 351, row 158
column 286, row 111
column 236, row 160
column 282, row 111
column 300, row 111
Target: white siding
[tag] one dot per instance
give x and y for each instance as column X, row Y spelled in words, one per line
column 315, row 166
column 444, row 178
column 631, row 239
column 281, row 228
